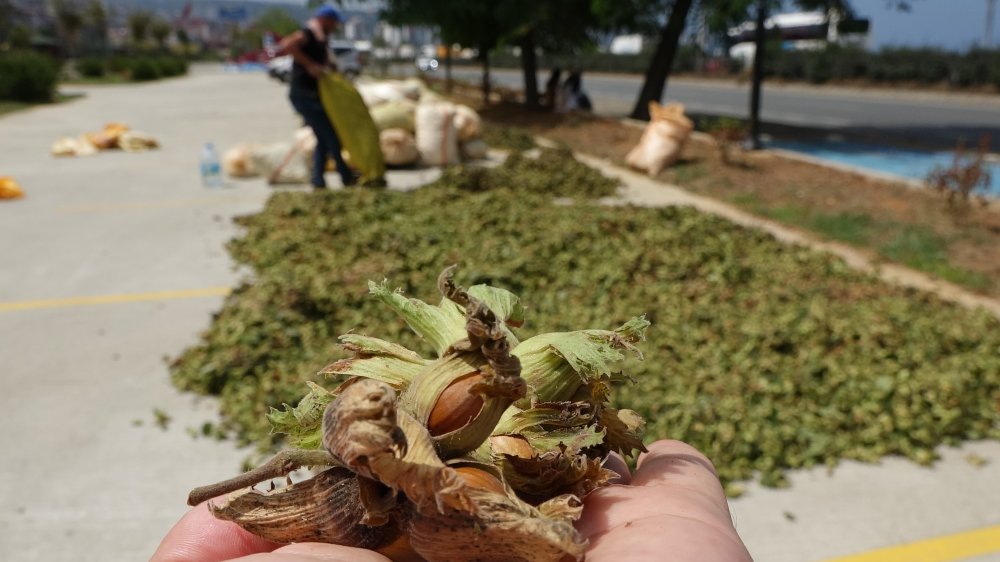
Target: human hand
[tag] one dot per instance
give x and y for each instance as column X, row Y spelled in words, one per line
column 316, row 70
column 672, row 510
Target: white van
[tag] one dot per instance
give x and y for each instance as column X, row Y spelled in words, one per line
column 349, row 60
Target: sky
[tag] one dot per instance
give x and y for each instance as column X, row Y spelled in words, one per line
column 951, row 24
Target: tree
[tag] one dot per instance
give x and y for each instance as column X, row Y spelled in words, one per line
column 555, row 26
column 184, row 39
column 663, row 59
column 97, row 22
column 160, row 30
column 70, row 21
column 139, row 24
column 274, row 20
column 478, row 25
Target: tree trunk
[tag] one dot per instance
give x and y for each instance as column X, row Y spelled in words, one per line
column 663, row 60
column 529, row 63
column 758, row 74
column 447, row 69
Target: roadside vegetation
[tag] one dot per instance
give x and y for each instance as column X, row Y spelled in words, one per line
column 914, row 227
column 828, row 364
column 975, row 69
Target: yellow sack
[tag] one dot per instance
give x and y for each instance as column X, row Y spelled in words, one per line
column 354, row 125
column 9, row 188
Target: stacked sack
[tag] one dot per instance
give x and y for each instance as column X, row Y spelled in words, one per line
column 416, row 125
column 663, row 140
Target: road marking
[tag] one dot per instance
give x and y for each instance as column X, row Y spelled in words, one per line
column 115, row 299
column 948, row 548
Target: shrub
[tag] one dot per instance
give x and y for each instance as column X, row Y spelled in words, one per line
column 120, row 64
column 966, row 179
column 27, row 77
column 145, row 69
column 91, row 67
column 171, row 66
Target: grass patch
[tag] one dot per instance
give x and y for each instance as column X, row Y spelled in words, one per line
column 762, row 376
column 688, row 172
column 924, row 250
column 107, row 79
column 911, row 245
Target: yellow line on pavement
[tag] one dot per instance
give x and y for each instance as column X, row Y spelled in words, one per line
column 948, row 548
column 114, row 299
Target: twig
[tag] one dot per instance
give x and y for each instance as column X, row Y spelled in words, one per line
column 279, row 465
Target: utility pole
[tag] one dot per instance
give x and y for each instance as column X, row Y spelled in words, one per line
column 758, row 74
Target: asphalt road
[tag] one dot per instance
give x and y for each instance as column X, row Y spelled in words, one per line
column 877, row 115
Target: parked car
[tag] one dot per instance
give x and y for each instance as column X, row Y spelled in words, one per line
column 349, row 60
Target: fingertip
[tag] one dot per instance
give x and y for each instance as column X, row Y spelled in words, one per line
column 331, row 553
column 200, row 537
column 615, row 463
column 661, row 454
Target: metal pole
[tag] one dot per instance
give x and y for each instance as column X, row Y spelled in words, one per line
column 758, row 75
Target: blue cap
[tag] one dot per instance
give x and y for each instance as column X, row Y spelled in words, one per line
column 328, row 11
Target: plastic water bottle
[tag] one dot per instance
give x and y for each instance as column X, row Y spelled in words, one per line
column 211, row 168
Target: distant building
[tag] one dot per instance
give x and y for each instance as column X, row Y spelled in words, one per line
column 801, row 31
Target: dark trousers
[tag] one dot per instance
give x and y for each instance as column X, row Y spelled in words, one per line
column 308, row 105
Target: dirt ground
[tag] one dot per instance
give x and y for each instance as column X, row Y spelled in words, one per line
column 889, row 221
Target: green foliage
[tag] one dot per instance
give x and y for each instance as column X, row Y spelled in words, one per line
column 508, row 138
column 145, row 69
column 139, row 24
column 274, row 20
column 160, row 30
column 553, row 171
column 26, row 76
column 20, row 37
column 91, row 67
column 763, row 376
column 977, row 67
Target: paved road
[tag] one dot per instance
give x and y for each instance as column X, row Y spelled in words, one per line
column 83, row 482
column 108, row 265
column 897, row 116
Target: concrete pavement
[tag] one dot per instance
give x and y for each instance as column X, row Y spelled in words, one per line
column 85, row 482
column 88, row 474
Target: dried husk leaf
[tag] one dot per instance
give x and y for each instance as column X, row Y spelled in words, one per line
column 566, row 506
column 546, row 415
column 363, row 429
column 377, row 359
column 439, row 326
column 505, row 304
column 624, row 430
column 326, row 508
column 555, row 365
column 505, row 529
column 553, row 473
